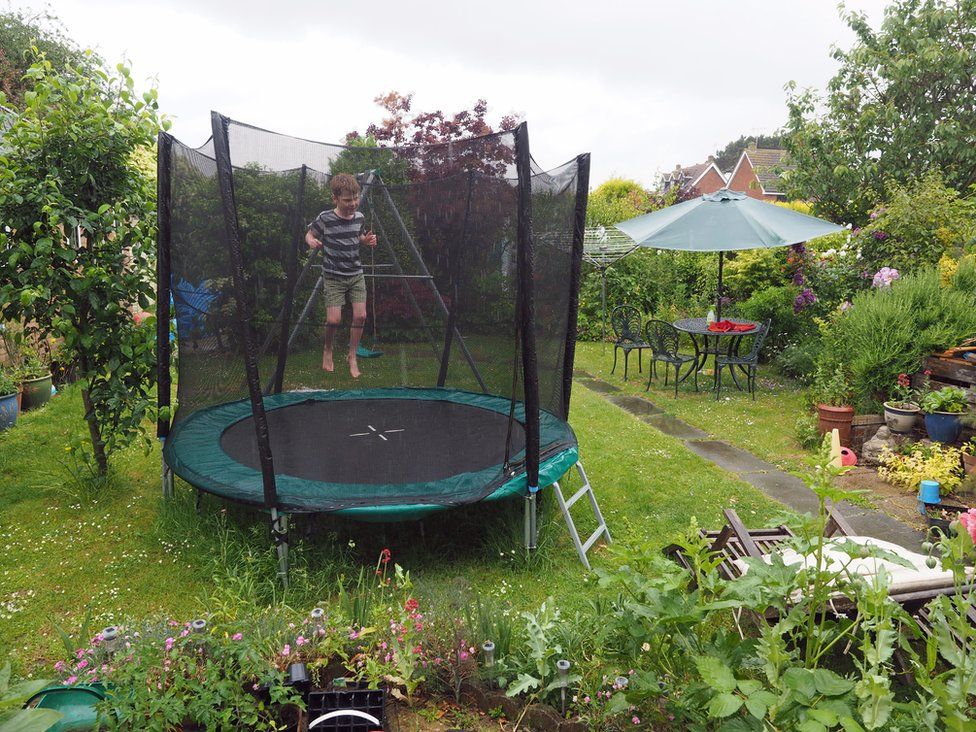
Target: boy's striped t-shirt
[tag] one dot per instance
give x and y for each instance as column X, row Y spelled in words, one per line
column 340, row 242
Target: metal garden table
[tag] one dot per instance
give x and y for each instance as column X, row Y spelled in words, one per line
column 697, row 328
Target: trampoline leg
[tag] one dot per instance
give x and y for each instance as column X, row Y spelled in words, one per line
column 531, row 530
column 279, row 534
column 167, row 476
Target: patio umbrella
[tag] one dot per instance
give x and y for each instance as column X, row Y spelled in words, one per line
column 721, row 222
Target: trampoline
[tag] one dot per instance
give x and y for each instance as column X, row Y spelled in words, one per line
column 369, row 454
column 474, row 286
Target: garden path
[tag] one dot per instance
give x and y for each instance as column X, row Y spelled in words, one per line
column 769, row 479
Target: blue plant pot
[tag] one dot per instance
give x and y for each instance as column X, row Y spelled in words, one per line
column 8, row 411
column 943, row 426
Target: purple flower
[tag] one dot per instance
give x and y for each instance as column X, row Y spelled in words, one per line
column 803, row 300
column 884, row 277
column 800, row 248
column 879, row 234
column 798, row 278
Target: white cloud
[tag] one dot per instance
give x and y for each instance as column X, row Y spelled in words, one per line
column 640, row 85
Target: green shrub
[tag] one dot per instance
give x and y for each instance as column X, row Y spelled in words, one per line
column 889, row 331
column 776, row 305
column 799, row 359
column 917, row 225
column 753, row 270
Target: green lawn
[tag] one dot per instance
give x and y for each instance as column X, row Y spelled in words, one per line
column 764, row 427
column 126, row 553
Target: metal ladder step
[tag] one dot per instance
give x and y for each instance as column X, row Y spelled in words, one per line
column 565, row 506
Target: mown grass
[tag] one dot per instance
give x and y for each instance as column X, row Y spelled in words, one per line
column 124, row 552
column 764, row 427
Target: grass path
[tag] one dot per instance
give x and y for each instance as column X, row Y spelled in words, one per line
column 123, row 552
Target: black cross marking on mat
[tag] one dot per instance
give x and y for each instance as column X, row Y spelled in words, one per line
column 374, row 431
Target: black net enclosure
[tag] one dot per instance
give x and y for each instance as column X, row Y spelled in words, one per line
column 465, row 353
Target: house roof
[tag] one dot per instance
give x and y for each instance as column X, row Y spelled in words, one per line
column 768, row 164
column 690, row 175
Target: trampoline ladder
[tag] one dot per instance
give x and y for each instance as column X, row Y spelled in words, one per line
column 565, row 506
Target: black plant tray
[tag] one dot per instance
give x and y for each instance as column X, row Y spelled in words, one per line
column 942, row 524
column 354, row 696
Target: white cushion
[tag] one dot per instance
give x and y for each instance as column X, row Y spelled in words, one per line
column 900, row 579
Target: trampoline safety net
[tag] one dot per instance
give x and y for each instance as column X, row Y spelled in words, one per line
column 471, row 290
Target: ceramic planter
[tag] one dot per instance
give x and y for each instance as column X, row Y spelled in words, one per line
column 900, row 417
column 943, row 426
column 836, row 418
column 939, row 515
column 37, row 392
column 8, row 410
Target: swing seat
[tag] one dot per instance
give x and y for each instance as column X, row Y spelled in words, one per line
column 363, row 352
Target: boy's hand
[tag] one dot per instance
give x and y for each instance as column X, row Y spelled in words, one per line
column 312, row 242
column 369, row 238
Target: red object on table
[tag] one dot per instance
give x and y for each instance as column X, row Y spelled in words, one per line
column 729, row 326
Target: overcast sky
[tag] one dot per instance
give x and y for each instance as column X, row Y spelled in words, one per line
column 640, row 85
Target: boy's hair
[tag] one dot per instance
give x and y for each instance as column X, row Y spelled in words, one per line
column 343, row 183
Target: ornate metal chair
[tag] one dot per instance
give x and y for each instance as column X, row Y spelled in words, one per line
column 749, row 362
column 626, row 323
column 663, row 340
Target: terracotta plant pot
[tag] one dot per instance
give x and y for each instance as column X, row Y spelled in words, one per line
column 836, row 418
column 969, row 462
column 900, row 418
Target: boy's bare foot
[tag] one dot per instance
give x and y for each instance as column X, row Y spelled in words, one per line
column 353, row 367
column 327, row 362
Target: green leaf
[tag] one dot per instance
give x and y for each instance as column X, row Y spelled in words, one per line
column 800, row 680
column 716, row 674
column 724, row 705
column 829, row 683
column 749, row 686
column 28, row 720
column 810, row 725
column 523, row 684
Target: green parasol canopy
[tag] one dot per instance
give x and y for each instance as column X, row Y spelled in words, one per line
column 721, row 222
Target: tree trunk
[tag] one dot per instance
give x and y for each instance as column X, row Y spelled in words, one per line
column 98, row 446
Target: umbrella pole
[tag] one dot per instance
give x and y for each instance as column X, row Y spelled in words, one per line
column 603, row 301
column 721, row 260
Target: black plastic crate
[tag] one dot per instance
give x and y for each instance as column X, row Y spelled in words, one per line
column 354, row 696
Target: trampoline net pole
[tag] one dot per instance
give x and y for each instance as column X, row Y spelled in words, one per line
column 576, row 264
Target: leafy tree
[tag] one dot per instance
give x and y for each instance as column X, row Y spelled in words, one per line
column 77, row 246
column 18, row 33
column 728, row 156
column 916, row 225
column 903, row 102
column 618, row 199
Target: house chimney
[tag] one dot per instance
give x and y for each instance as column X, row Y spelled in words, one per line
column 711, row 159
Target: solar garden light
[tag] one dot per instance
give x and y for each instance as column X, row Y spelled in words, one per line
column 317, row 614
column 199, row 625
column 562, row 665
column 621, row 682
column 489, row 648
column 110, row 638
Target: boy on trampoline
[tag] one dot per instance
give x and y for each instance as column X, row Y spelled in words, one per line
column 339, row 233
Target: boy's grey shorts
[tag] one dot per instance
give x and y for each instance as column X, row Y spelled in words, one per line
column 340, row 289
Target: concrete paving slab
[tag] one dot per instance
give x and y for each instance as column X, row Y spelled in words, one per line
column 785, row 488
column 636, row 405
column 600, row 386
column 730, row 458
column 868, row 522
column 581, row 374
column 671, row 425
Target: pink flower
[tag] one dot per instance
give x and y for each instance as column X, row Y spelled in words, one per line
column 237, row 636
column 968, row 520
column 82, row 664
column 71, row 679
column 300, row 641
column 286, row 651
column 169, row 644
column 635, row 719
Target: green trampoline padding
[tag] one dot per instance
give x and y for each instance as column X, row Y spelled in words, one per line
column 372, row 454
